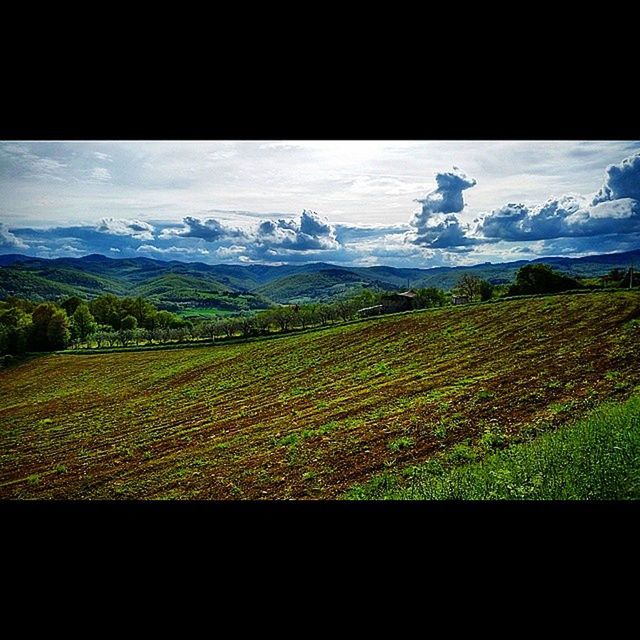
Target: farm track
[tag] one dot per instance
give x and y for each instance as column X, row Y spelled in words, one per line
column 310, row 415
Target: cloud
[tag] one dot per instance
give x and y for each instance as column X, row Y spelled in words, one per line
column 230, row 252
column 622, row 181
column 350, row 233
column 519, row 222
column 570, row 216
column 268, row 239
column 10, row 241
column 447, row 198
column 614, row 209
column 123, row 227
column 101, row 174
column 25, row 162
column 436, row 224
column 209, row 229
column 104, row 157
column 440, row 233
column 149, row 248
column 310, row 233
column 67, row 248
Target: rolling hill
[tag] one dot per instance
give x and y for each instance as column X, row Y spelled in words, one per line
column 195, row 284
column 320, row 286
column 312, row 414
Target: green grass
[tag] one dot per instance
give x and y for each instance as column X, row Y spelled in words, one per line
column 596, row 458
column 205, row 312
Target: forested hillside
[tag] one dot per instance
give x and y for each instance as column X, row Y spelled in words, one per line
column 185, row 285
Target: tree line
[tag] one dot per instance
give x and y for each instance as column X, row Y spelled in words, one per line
column 109, row 321
column 106, row 320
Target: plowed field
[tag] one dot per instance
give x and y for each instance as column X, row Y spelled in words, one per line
column 309, row 415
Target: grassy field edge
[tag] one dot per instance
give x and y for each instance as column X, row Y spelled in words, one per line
column 598, row 457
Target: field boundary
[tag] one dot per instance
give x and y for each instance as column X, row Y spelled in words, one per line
column 297, row 332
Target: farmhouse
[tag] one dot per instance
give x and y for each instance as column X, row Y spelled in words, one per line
column 393, row 302
column 370, row 311
column 460, row 299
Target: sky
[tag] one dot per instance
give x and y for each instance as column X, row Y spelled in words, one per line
column 397, row 203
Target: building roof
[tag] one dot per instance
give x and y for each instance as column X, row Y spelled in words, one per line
column 404, row 294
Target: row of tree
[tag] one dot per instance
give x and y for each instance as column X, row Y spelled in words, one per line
column 112, row 321
column 26, row 326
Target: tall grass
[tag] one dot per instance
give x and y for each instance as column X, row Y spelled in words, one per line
column 596, row 458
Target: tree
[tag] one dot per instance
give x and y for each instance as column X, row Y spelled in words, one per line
column 128, row 323
column 58, row 330
column 104, row 334
column 324, row 313
column 180, row 334
column 430, row 297
column 142, row 310
column 263, row 322
column 283, row 317
column 209, row 329
column 247, row 326
column 346, row 309
column 15, row 326
column 83, row 322
column 469, row 285
column 71, row 304
column 541, row 278
column 306, row 316
column 166, row 320
column 106, row 310
column 485, row 290
column 40, row 319
column 125, row 336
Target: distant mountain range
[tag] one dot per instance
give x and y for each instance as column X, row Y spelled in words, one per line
column 175, row 284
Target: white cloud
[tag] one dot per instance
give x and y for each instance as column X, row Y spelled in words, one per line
column 230, row 252
column 124, row 227
column 209, row 195
column 149, row 248
column 10, row 241
column 101, row 174
column 67, row 248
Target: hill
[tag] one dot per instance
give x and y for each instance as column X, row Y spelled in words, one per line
column 320, row 286
column 195, row 284
column 310, row 415
column 176, row 281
